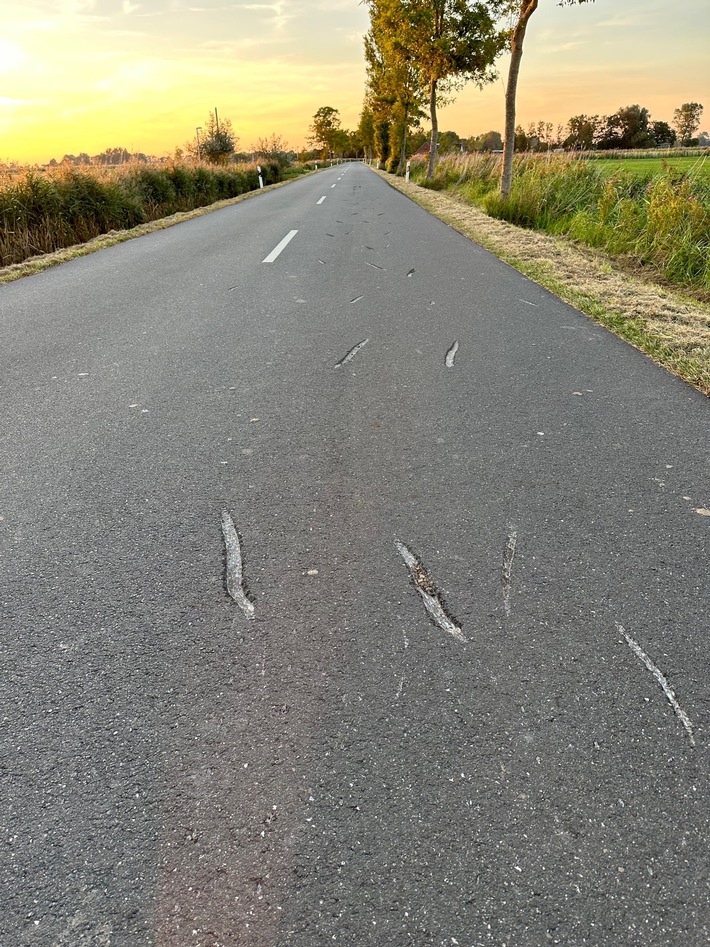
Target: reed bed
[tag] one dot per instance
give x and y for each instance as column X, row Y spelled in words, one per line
column 43, row 211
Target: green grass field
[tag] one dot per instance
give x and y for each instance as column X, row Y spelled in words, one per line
column 648, row 167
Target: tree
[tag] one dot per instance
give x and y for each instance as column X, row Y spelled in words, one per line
column 687, row 121
column 395, row 88
column 521, row 11
column 627, row 128
column 217, row 141
column 583, row 132
column 366, row 132
column 449, row 143
column 382, row 139
column 448, row 42
column 273, row 149
column 663, row 134
column 325, row 128
column 490, row 141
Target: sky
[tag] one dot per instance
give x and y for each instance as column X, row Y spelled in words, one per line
column 87, row 75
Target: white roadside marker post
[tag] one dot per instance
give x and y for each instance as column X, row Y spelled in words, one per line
column 261, row 180
column 407, row 175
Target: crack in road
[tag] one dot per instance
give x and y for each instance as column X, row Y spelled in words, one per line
column 351, row 354
column 665, row 686
column 235, row 579
column 433, row 602
column 508, row 556
column 451, row 354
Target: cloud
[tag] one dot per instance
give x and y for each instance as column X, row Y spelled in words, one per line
column 623, row 21
column 561, row 47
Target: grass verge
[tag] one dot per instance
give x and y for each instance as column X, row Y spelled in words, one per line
column 672, row 329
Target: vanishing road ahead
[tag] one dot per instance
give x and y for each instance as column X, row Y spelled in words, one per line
column 459, row 692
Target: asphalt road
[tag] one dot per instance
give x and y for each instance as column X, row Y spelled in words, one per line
column 471, row 705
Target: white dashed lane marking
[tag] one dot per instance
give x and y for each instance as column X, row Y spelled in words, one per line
column 280, row 246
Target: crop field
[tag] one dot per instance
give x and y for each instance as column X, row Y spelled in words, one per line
column 649, row 167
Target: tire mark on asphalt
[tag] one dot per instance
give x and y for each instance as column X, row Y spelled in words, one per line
column 508, row 556
column 665, row 686
column 351, row 354
column 433, row 602
column 235, row 579
column 451, row 354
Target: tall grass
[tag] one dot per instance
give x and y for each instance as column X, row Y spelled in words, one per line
column 660, row 220
column 45, row 211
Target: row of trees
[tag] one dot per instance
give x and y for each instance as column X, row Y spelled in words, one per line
column 632, row 127
column 420, row 52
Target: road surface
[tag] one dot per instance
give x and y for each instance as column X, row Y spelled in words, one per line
column 353, row 591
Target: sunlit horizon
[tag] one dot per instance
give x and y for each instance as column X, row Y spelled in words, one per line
column 89, row 75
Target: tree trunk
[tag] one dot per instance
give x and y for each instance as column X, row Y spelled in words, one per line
column 527, row 8
column 403, row 152
column 434, row 129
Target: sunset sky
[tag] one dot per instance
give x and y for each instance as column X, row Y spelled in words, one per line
column 86, row 75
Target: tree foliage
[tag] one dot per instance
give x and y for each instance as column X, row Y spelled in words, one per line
column 217, row 140
column 687, row 121
column 395, row 86
column 325, row 130
column 274, row 148
column 627, row 128
column 444, row 43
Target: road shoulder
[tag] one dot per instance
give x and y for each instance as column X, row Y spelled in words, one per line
column 667, row 326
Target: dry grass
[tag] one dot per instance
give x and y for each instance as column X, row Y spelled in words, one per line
column 670, row 327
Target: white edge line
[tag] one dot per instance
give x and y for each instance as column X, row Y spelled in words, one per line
column 280, row 246
column 665, row 686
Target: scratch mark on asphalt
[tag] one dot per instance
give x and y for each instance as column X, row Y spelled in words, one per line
column 451, row 354
column 665, row 686
column 356, row 300
column 352, row 353
column 411, row 273
column 374, row 265
column 529, row 303
column 235, row 579
column 508, row 556
column 399, row 689
column 430, row 596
